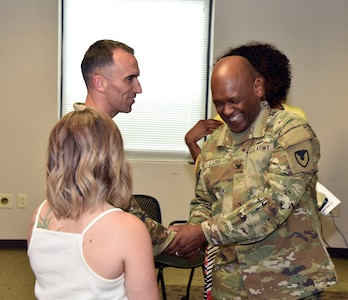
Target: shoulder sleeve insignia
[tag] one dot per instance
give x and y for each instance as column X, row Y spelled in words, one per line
column 302, row 157
column 301, row 149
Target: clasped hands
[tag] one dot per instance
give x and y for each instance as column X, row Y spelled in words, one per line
column 187, row 242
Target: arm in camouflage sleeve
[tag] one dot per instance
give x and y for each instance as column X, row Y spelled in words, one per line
column 285, row 181
column 160, row 236
column 200, row 207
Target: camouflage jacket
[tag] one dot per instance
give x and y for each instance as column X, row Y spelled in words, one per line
column 161, row 237
column 256, row 200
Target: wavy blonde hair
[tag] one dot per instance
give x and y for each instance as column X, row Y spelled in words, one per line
column 86, row 165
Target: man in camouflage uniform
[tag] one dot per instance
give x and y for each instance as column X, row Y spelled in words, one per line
column 256, row 196
column 111, row 71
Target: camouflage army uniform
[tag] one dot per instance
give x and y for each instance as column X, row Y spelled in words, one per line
column 256, row 200
column 161, row 237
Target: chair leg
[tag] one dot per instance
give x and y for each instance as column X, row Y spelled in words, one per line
column 187, row 297
column 160, row 280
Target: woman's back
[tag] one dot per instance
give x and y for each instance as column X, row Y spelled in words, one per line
column 80, row 246
column 91, row 258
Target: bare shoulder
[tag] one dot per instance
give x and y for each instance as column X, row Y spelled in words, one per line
column 126, row 221
column 122, row 234
column 32, row 224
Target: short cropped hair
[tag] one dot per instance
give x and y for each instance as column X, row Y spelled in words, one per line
column 100, row 55
column 271, row 64
column 86, row 165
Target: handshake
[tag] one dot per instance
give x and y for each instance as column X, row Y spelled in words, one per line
column 188, row 241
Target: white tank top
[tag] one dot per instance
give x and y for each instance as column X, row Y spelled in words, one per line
column 61, row 270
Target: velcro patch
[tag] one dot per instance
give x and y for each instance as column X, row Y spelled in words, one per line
column 296, row 135
column 300, row 158
column 298, row 147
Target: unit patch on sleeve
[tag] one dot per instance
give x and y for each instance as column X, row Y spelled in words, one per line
column 298, row 146
column 302, row 157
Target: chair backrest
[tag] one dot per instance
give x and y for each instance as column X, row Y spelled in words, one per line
column 150, row 205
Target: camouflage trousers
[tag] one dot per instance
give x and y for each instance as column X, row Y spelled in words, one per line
column 210, row 253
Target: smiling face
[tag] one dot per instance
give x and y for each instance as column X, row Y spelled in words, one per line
column 121, row 83
column 236, row 92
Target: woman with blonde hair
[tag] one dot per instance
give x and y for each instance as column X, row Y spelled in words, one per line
column 81, row 244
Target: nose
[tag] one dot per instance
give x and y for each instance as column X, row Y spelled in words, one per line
column 228, row 108
column 137, row 87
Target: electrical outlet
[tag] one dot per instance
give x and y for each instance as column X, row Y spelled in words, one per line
column 22, row 201
column 6, row 200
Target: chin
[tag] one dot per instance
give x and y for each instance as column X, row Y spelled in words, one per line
column 237, row 129
column 128, row 110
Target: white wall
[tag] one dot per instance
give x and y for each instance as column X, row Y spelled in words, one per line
column 312, row 33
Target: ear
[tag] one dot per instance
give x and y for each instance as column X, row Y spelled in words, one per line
column 259, row 87
column 99, row 83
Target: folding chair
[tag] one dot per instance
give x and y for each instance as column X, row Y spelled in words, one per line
column 151, row 206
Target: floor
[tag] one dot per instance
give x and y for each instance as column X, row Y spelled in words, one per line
column 17, row 279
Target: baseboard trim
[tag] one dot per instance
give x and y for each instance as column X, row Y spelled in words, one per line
column 22, row 244
column 13, row 244
column 338, row 252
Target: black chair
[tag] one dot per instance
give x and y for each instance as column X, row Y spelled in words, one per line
column 151, row 206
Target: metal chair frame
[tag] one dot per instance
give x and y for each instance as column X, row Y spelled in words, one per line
column 151, row 206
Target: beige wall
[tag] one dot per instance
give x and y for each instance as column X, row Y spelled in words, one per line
column 313, row 34
column 28, row 103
